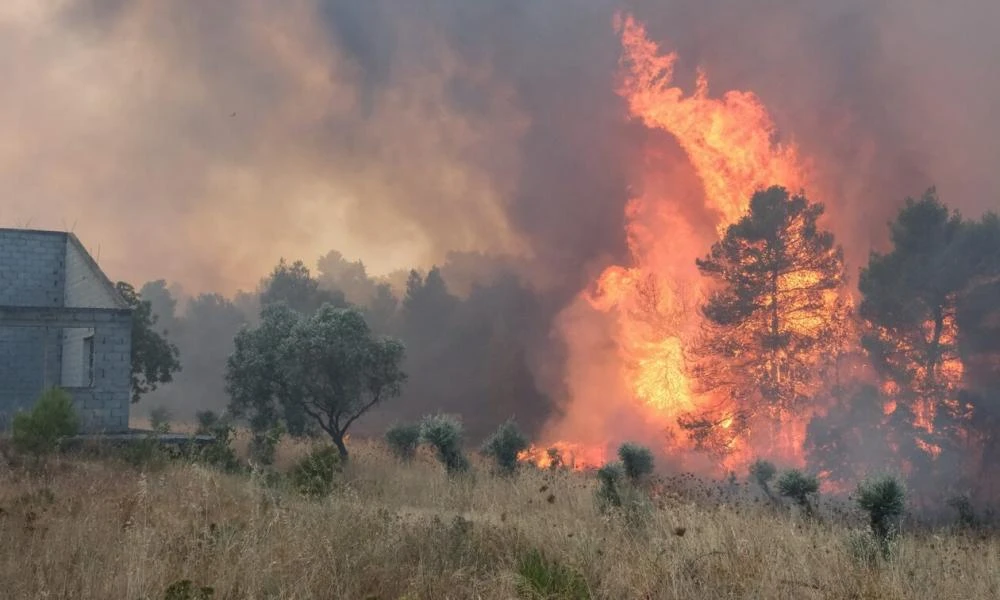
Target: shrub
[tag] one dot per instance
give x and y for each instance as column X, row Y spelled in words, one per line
column 543, row 578
column 609, row 479
column 207, row 421
column 636, row 460
column 159, row 419
column 220, row 453
column 403, row 440
column 555, row 458
column 762, row 472
column 186, row 590
column 314, row 474
column 40, row 430
column 444, row 433
column 264, row 444
column 966, row 513
column 505, row 445
column 799, row 487
column 884, row 499
column 864, row 548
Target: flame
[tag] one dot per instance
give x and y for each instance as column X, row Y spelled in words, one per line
column 576, row 457
column 730, row 145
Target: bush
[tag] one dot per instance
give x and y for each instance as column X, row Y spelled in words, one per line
column 544, row 578
column 636, row 460
column 314, row 474
column 609, row 478
column 967, row 516
column 41, row 430
column 798, row 486
column 444, row 433
column 220, row 453
column 555, row 458
column 884, row 499
column 762, row 472
column 159, row 419
column 264, row 444
column 207, row 421
column 864, row 548
column 403, row 440
column 505, row 445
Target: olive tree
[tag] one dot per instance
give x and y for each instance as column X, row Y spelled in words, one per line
column 328, row 367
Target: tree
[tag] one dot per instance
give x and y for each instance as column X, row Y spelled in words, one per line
column 884, row 499
column 295, row 286
column 163, row 305
column 329, row 366
column 799, row 487
column 776, row 320
column 911, row 300
column 504, row 446
column 154, row 358
column 351, row 278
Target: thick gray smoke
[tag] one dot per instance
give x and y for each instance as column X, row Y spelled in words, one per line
column 199, row 141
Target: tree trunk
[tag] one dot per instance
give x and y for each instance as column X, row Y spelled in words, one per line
column 338, row 441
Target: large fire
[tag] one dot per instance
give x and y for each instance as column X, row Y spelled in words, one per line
column 652, row 305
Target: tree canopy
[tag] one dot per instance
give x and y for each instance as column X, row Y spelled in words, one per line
column 327, row 368
column 775, row 319
column 154, row 358
column 294, row 285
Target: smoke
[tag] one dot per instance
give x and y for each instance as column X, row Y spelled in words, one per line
column 199, row 141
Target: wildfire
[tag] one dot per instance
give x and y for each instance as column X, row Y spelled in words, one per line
column 567, row 455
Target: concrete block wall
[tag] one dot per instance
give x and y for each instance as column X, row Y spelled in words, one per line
column 32, row 268
column 77, row 356
column 29, row 362
column 85, row 285
column 104, row 407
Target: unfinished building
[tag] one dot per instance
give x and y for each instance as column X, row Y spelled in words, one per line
column 62, row 324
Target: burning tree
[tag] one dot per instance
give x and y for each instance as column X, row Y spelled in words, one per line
column 775, row 322
column 911, row 302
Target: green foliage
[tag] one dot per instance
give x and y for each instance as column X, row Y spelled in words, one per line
column 186, row 590
column 444, row 433
column 146, row 453
column 799, row 487
column 966, row 512
column 610, row 479
column 884, row 499
column 294, row 286
column 159, row 419
column 40, row 430
column 314, row 474
column 762, row 472
column 753, row 349
column 207, row 421
column 403, row 440
column 866, row 550
column 636, row 460
column 327, row 368
column 220, row 453
column 542, row 578
column 504, row 446
column 154, row 358
column 264, row 444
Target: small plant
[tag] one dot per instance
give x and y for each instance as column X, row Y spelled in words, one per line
column 555, row 459
column 444, row 433
column 219, row 453
column 799, row 487
column 505, row 445
column 864, row 548
column 544, row 578
column 967, row 516
column 314, row 474
column 884, row 499
column 207, row 421
column 186, row 590
column 610, row 478
column 636, row 460
column 41, row 430
column 264, row 444
column 403, row 440
column 762, row 472
column 159, row 419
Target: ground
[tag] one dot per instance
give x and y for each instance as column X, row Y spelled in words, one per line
column 100, row 528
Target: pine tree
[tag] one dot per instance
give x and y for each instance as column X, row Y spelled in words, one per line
column 776, row 320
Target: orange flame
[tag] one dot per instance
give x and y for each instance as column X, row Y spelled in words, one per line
column 650, row 306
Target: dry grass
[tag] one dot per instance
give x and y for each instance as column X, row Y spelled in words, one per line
column 98, row 530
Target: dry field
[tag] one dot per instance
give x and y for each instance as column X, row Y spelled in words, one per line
column 100, row 529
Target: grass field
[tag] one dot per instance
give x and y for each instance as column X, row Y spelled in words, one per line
column 102, row 529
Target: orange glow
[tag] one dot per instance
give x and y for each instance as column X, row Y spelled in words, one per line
column 571, row 456
column 651, row 305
